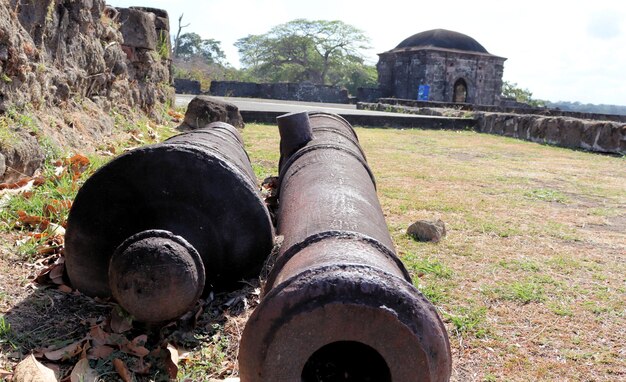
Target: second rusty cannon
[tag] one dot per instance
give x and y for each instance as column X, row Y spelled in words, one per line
column 159, row 225
column 338, row 304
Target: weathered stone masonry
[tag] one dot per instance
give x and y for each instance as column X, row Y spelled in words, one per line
column 447, row 62
column 573, row 131
column 284, row 91
column 69, row 64
column 598, row 136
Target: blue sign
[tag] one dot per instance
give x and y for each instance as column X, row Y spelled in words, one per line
column 422, row 92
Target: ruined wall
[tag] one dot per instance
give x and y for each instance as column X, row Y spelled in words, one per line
column 282, row 91
column 368, row 94
column 66, row 65
column 599, row 136
column 594, row 135
column 185, row 86
column 503, row 109
column 400, row 74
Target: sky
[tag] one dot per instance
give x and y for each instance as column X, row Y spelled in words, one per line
column 559, row 50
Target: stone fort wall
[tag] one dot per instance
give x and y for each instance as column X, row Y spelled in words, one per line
column 401, row 73
column 572, row 130
column 281, row 91
column 71, row 65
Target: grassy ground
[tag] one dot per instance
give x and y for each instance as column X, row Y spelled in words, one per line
column 530, row 279
column 531, row 276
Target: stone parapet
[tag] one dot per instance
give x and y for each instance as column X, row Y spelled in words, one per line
column 597, row 136
column 282, row 91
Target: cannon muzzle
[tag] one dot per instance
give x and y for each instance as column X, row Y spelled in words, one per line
column 338, row 305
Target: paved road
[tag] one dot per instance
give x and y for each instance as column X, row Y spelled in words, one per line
column 272, row 105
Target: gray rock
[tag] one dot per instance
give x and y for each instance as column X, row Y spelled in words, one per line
column 425, row 230
column 22, row 157
column 138, row 28
column 203, row 110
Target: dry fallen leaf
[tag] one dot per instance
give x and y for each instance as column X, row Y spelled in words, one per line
column 82, row 372
column 56, row 273
column 122, row 370
column 33, row 221
column 54, row 207
column 170, row 360
column 175, row 114
column 65, row 352
column 98, row 336
column 100, row 351
column 31, row 370
column 86, row 348
column 136, row 348
column 78, row 163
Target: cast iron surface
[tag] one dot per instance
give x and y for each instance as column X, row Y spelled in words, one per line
column 295, row 133
column 357, row 303
column 337, row 285
column 334, row 247
column 199, row 186
column 156, row 275
column 328, row 189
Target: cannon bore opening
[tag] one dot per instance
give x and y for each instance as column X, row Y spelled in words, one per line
column 346, row 361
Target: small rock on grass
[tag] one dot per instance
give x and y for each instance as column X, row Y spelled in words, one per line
column 426, row 230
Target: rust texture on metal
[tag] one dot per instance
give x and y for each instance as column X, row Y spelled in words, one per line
column 338, row 304
column 179, row 278
column 197, row 187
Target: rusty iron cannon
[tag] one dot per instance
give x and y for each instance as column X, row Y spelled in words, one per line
column 159, row 225
column 338, row 304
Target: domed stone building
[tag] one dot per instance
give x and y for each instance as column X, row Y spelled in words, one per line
column 441, row 65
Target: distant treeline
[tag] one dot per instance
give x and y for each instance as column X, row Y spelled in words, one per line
column 587, row 107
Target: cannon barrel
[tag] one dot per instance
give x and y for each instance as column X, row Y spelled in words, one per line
column 160, row 224
column 338, row 304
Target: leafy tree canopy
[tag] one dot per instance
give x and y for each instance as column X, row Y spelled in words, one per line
column 319, row 51
column 192, row 45
column 512, row 90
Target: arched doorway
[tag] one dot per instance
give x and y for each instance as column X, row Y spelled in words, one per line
column 460, row 91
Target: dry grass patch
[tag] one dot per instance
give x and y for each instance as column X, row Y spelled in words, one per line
column 536, row 249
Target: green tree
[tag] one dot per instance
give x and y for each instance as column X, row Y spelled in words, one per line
column 318, row 51
column 353, row 74
column 192, row 45
column 512, row 90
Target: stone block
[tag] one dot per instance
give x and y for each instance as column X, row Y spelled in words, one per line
column 552, row 130
column 609, row 138
column 589, row 134
column 203, row 110
column 510, row 126
column 138, row 28
column 571, row 133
